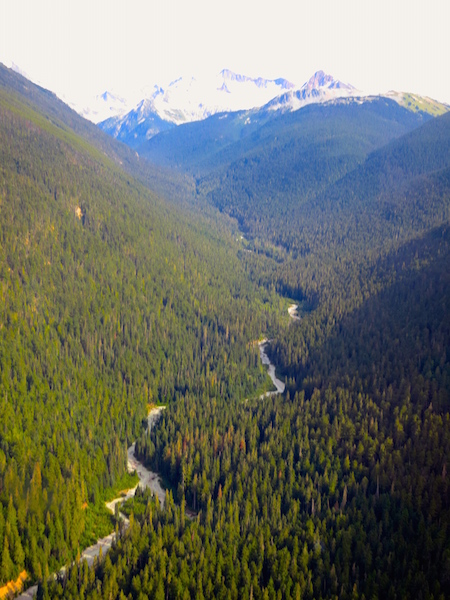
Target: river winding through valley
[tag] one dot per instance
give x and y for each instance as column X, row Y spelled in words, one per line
column 147, row 479
column 271, row 370
column 150, row 479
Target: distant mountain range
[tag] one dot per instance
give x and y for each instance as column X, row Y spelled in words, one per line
column 191, row 100
column 320, row 88
column 186, row 100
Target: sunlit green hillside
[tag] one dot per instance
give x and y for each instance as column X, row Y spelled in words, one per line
column 109, row 300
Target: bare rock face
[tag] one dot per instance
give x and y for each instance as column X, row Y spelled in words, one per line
column 320, row 79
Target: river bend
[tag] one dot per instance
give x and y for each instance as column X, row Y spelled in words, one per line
column 150, row 479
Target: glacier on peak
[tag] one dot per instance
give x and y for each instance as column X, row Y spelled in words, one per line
column 188, row 99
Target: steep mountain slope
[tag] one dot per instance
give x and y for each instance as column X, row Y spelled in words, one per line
column 299, row 154
column 226, row 139
column 140, row 124
column 57, row 112
column 399, row 192
column 55, row 109
column 110, row 300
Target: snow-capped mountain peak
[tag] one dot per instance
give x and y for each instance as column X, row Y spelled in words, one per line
column 188, row 99
column 322, row 80
column 321, row 87
column 318, row 80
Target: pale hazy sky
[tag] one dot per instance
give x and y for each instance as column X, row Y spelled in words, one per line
column 79, row 48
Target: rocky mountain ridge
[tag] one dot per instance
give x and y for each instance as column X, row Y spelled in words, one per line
column 189, row 100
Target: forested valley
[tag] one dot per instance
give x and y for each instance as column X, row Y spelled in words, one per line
column 114, row 299
column 110, row 302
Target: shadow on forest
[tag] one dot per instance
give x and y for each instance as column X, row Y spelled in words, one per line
column 401, row 335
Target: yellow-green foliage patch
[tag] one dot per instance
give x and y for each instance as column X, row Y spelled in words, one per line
column 417, row 103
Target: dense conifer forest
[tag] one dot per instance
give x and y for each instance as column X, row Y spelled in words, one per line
column 110, row 302
column 114, row 299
